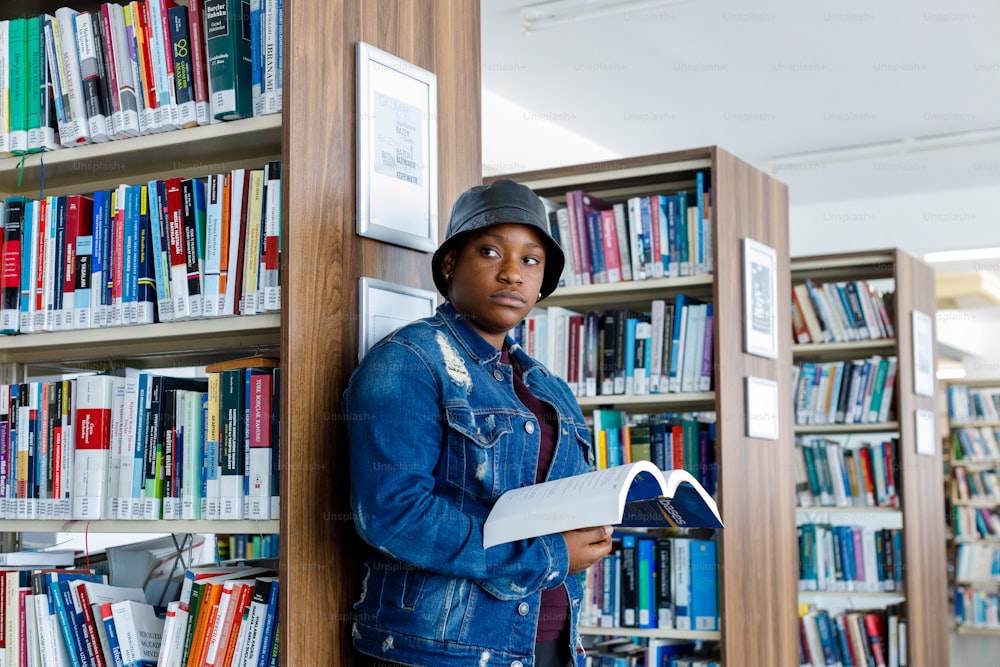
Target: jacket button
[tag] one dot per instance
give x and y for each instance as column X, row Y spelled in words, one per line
column 517, row 663
column 522, row 609
column 498, row 375
column 529, row 427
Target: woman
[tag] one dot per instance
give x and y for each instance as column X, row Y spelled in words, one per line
column 444, row 415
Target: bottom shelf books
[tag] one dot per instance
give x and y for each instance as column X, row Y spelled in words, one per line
column 226, row 616
column 653, row 652
column 852, row 638
column 654, row 582
column 850, row 558
column 977, row 607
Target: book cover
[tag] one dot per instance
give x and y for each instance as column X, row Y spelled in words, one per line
column 199, row 74
column 10, row 264
column 93, row 441
column 227, row 31
column 634, row 495
column 90, row 74
column 140, row 631
column 181, row 46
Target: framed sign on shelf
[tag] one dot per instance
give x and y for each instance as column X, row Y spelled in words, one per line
column 760, row 299
column 396, row 150
column 384, row 307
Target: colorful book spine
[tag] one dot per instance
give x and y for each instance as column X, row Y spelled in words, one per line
column 229, row 59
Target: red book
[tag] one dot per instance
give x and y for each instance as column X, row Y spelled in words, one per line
column 143, row 38
column 89, row 625
column 116, row 316
column 873, row 630
column 246, row 595
column 609, row 236
column 79, row 222
column 578, row 237
column 573, row 353
column 109, row 61
column 869, row 475
column 677, row 444
column 199, row 73
column 38, row 318
column 654, row 226
column 178, row 260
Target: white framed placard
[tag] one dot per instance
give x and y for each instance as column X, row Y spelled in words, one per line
column 383, row 307
column 760, row 299
column 926, row 436
column 923, row 354
column 762, row 408
column 396, row 150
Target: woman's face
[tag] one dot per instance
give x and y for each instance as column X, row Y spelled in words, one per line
column 496, row 277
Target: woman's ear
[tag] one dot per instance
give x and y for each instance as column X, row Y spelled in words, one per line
column 448, row 264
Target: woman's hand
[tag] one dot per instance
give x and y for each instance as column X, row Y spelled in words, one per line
column 586, row 546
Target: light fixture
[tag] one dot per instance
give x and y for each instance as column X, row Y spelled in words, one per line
column 886, row 149
column 559, row 12
column 962, row 255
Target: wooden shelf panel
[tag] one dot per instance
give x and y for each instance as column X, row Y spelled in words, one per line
column 698, row 401
column 854, row 266
column 868, row 595
column 166, row 341
column 196, row 151
column 660, row 633
column 855, row 349
column 975, row 464
column 892, row 511
column 817, row 429
column 984, row 502
column 989, row 423
column 986, row 632
column 269, row 527
column 629, row 293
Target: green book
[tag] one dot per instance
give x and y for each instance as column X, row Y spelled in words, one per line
column 878, row 386
column 17, row 59
column 34, row 84
column 227, row 29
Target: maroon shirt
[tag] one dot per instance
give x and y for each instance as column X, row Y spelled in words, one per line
column 553, row 614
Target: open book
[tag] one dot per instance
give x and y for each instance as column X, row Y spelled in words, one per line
column 635, row 495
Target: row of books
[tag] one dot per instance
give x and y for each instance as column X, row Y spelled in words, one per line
column 977, row 562
column 655, row 236
column 75, row 618
column 874, row 638
column 142, row 446
column 972, row 404
column 668, row 349
column 136, row 68
column 829, row 473
column 844, row 392
column 850, row 558
column 648, row 652
column 975, row 444
column 977, row 608
column 975, row 522
column 654, row 582
column 168, row 250
column 245, row 546
column 981, row 485
column 840, row 312
column 672, row 441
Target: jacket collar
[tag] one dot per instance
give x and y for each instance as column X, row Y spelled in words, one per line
column 475, row 345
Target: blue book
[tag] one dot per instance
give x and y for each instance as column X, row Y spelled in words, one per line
column 97, row 261
column 130, row 246
column 683, row 247
column 647, row 582
column 698, row 258
column 146, row 281
column 270, row 624
column 61, row 604
column 827, row 638
column 646, row 236
column 630, row 323
column 704, row 607
column 673, row 242
column 112, row 633
column 598, row 268
column 29, row 260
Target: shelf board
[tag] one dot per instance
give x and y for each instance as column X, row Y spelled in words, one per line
column 975, row 464
column 989, row 423
column 849, row 510
column 843, row 350
column 681, row 402
column 870, row 595
column 169, row 340
column 196, row 151
column 268, row 527
column 811, row 429
column 660, row 633
column 855, row 266
column 978, row 582
column 974, row 540
column 632, row 292
column 988, row 502
column 967, row 630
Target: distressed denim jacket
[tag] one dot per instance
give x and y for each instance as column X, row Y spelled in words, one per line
column 436, row 435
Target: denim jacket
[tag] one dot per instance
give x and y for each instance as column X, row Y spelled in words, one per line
column 436, row 435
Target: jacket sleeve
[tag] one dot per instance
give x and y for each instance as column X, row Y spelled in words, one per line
column 396, row 432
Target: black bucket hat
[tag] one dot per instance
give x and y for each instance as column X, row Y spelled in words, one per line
column 503, row 201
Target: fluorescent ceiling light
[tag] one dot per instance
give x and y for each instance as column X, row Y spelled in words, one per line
column 885, row 149
column 950, row 373
column 962, row 255
column 559, row 12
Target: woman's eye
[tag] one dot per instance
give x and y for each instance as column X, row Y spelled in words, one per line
column 534, row 261
column 490, row 252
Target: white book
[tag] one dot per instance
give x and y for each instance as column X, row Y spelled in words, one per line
column 97, row 123
column 95, row 396
column 128, row 93
column 124, row 445
column 162, row 55
column 639, row 268
column 172, row 645
column 74, row 130
column 271, row 292
column 32, row 630
column 270, row 90
column 694, row 339
column 193, row 433
column 212, row 472
column 140, row 631
column 229, row 277
column 119, row 399
column 5, row 87
column 26, row 507
column 252, row 247
column 215, row 191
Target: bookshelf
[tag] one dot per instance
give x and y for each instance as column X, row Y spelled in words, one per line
column 756, row 550
column 316, row 332
column 972, row 463
column 920, row 516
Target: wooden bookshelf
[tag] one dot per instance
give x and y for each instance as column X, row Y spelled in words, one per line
column 757, row 549
column 322, row 260
column 921, row 499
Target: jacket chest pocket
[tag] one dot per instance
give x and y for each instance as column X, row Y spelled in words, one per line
column 476, row 450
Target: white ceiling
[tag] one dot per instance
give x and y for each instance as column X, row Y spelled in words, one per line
column 767, row 79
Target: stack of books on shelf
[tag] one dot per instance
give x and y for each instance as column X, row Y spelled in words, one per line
column 864, row 638
column 142, row 446
column 647, row 582
column 830, row 473
column 75, row 618
column 648, row 652
column 973, row 404
column 166, row 250
column 975, row 444
column 844, row 392
column 977, row 608
column 840, row 312
column 78, row 77
column 977, row 563
column 245, row 547
column 641, row 238
column 850, row 558
column 977, row 485
column 667, row 349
